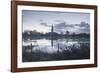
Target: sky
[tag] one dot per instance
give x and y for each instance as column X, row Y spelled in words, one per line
column 41, row 21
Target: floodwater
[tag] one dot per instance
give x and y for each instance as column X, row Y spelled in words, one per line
column 59, row 49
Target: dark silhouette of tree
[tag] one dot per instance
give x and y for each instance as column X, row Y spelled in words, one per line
column 67, row 32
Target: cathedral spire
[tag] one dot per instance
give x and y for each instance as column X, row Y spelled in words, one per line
column 52, row 28
column 52, row 35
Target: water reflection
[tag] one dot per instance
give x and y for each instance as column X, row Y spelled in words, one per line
column 60, row 49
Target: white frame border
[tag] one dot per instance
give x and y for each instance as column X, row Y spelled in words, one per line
column 52, row 63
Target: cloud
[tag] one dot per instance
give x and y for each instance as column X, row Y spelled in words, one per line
column 83, row 24
column 44, row 24
column 63, row 25
column 83, row 27
column 41, row 20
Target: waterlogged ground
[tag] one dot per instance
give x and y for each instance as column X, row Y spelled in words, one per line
column 52, row 50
